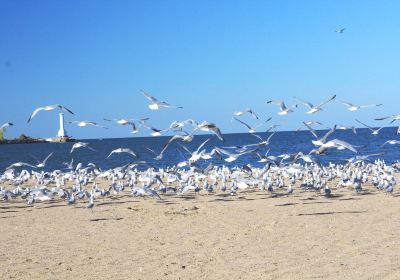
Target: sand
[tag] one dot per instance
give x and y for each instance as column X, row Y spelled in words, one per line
column 254, row 235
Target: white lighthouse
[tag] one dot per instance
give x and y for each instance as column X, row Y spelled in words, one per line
column 61, row 132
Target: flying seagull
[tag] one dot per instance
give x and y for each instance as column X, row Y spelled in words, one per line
column 391, row 142
column 248, row 110
column 155, row 104
column 393, row 117
column 251, row 129
column 122, row 150
column 374, row 131
column 49, row 108
column 6, row 125
column 340, row 31
column 352, row 108
column 314, row 109
column 322, row 140
column 19, row 164
column 207, row 126
column 43, row 163
column 81, row 145
column 86, row 123
column 282, row 107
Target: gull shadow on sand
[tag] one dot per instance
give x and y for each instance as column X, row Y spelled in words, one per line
column 286, row 204
column 331, row 213
column 105, row 219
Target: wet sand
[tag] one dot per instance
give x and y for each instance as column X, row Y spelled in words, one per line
column 254, row 235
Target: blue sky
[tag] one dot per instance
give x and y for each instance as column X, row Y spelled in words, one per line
column 212, row 57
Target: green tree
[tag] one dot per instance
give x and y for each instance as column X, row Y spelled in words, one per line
column 2, row 131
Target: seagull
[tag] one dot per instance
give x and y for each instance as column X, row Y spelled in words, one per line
column 251, row 129
column 391, row 142
column 122, row 150
column 155, row 104
column 311, row 123
column 352, row 108
column 374, row 131
column 248, row 110
column 43, row 163
column 49, row 108
column 335, row 143
column 80, row 145
column 345, row 127
column 393, row 117
column 320, row 141
column 207, row 126
column 19, row 164
column 6, row 125
column 231, row 156
column 130, row 122
column 272, row 127
column 70, row 165
column 314, row 109
column 283, row 109
column 86, row 123
column 340, row 31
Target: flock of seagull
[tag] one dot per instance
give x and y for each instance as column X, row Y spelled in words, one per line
column 282, row 173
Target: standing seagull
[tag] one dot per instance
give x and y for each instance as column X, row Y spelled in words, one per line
column 122, row 150
column 49, row 108
column 352, row 108
column 283, row 109
column 155, row 104
column 314, row 109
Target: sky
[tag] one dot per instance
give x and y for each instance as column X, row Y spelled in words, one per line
column 211, row 57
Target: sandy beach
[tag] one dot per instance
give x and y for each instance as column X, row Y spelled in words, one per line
column 254, row 235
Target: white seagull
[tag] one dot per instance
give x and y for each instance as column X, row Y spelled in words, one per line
column 43, row 163
column 155, row 104
column 314, row 109
column 81, row 145
column 391, row 142
column 282, row 107
column 49, row 108
column 86, row 123
column 352, row 108
column 122, row 150
column 248, row 110
column 6, row 125
column 374, row 131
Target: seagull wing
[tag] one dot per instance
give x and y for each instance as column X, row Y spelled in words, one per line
column 323, row 139
column 311, row 130
column 45, row 160
column 346, row 103
column 149, row 97
column 370, row 105
column 329, row 100
column 344, row 144
column 37, row 110
column 242, row 122
column 65, row 108
column 365, row 125
column 308, row 104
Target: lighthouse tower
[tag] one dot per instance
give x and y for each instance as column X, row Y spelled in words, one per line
column 61, row 132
